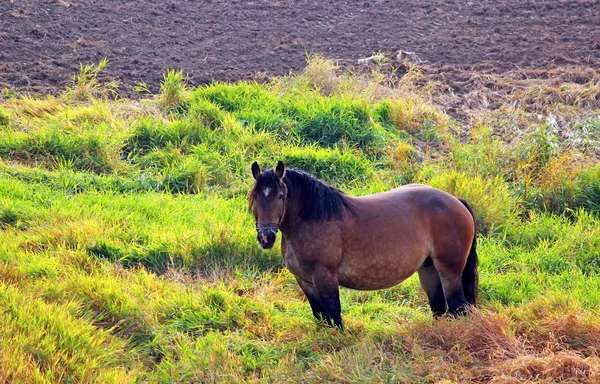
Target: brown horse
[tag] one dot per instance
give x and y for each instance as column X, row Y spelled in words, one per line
column 372, row 242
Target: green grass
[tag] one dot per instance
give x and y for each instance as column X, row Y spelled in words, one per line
column 127, row 253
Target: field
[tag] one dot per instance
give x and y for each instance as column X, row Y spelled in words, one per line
column 128, row 255
column 42, row 42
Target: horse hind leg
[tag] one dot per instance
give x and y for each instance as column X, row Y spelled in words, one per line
column 451, row 279
column 470, row 276
column 432, row 284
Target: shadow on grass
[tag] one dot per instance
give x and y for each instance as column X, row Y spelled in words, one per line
column 216, row 254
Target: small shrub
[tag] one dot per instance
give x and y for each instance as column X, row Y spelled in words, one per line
column 494, row 206
column 332, row 165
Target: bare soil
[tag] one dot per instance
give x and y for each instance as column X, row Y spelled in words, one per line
column 42, row 42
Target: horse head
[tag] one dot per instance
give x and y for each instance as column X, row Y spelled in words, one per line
column 268, row 200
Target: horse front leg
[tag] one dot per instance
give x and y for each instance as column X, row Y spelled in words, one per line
column 313, row 298
column 326, row 283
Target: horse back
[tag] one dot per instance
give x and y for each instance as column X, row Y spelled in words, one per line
column 412, row 202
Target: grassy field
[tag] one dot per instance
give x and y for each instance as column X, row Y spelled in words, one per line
column 127, row 253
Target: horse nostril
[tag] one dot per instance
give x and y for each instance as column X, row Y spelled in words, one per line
column 266, row 237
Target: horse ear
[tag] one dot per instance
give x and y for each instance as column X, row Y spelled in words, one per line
column 255, row 170
column 280, row 170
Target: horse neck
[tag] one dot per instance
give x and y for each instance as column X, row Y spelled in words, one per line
column 291, row 218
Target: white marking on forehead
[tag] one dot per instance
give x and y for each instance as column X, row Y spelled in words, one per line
column 266, row 191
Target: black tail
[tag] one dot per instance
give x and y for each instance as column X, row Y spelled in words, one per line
column 470, row 278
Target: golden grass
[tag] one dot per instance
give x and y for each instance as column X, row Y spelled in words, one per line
column 322, row 74
column 400, row 154
column 546, row 341
column 28, row 107
column 413, row 115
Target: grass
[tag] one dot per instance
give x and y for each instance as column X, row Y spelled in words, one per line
column 127, row 253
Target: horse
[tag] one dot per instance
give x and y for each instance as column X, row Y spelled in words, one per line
column 330, row 239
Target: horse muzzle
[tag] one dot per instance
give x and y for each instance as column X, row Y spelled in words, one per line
column 266, row 236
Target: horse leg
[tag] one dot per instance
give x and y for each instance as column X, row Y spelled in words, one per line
column 451, row 278
column 431, row 283
column 313, row 297
column 326, row 283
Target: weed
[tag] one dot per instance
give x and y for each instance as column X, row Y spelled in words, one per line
column 89, row 83
column 173, row 90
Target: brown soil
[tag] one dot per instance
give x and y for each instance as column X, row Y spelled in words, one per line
column 42, row 42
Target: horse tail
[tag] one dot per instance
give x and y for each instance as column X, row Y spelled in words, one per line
column 470, row 277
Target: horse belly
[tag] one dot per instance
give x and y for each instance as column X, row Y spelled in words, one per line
column 371, row 272
column 384, row 250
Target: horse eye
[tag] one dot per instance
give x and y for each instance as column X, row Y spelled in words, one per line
column 280, row 196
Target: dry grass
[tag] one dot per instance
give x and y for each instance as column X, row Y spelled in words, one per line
column 323, row 74
column 28, row 107
column 413, row 115
column 546, row 341
column 514, row 345
column 401, row 154
column 567, row 93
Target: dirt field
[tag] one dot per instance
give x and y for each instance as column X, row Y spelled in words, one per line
column 43, row 41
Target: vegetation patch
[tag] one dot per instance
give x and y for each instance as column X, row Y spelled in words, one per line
column 127, row 253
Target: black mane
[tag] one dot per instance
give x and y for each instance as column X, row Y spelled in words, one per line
column 319, row 200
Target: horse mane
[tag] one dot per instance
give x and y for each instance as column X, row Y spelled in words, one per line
column 318, row 200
